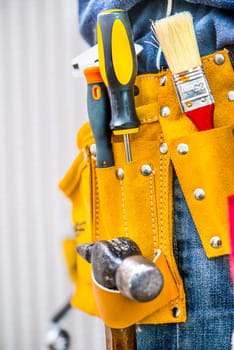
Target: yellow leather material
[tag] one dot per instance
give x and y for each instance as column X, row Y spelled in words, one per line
column 141, row 207
column 110, row 302
column 208, row 165
column 70, row 255
column 76, row 184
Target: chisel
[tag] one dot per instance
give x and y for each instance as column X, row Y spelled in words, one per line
column 99, row 116
column 118, row 67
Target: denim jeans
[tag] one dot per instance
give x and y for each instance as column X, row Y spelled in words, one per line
column 209, row 294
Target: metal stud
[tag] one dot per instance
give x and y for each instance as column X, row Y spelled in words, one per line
column 165, row 112
column 157, row 252
column 120, row 173
column 146, row 170
column 163, row 80
column 219, row 59
column 176, row 312
column 163, row 148
column 182, row 148
column 230, row 95
column 93, row 149
column 216, row 242
column 199, row 194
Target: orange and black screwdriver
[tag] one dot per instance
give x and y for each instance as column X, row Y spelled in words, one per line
column 118, row 67
column 99, row 116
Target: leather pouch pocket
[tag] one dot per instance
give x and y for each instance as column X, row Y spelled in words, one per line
column 204, row 165
column 128, row 199
column 134, row 202
column 118, row 311
column 127, row 203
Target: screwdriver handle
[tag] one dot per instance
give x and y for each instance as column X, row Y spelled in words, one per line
column 99, row 116
column 118, row 67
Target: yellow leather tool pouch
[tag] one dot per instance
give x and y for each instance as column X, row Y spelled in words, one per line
column 110, row 301
column 136, row 200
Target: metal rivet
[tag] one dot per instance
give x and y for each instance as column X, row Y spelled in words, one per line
column 216, row 242
column 120, row 173
column 219, row 58
column 93, row 149
column 157, row 252
column 146, row 170
column 189, row 104
column 199, row 194
column 176, row 312
column 163, row 80
column 182, row 148
column 163, row 148
column 165, row 112
column 230, row 95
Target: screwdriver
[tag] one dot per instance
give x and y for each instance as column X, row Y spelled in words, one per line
column 118, row 67
column 99, row 116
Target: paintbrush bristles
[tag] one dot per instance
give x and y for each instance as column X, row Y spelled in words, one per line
column 178, row 41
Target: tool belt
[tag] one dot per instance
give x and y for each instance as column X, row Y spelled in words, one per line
column 136, row 200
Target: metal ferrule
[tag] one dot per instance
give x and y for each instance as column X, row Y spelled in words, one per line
column 193, row 89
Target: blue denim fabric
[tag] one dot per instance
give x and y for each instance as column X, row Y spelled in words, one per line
column 209, row 294
column 213, row 22
column 227, row 4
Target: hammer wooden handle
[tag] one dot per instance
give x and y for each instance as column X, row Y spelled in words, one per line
column 121, row 339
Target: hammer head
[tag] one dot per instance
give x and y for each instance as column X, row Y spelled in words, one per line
column 139, row 279
column 106, row 256
column 118, row 264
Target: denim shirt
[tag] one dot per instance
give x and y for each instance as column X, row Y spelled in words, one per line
column 213, row 22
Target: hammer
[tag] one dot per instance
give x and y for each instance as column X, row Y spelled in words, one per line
column 118, row 264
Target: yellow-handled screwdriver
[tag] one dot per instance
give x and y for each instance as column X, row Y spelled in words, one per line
column 118, row 67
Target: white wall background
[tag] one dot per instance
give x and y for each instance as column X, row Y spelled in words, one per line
column 41, row 108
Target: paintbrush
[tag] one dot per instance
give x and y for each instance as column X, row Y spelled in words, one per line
column 178, row 41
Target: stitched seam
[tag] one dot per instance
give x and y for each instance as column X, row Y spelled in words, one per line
column 162, row 167
column 152, row 212
column 164, row 192
column 177, row 336
column 96, row 209
column 150, row 77
column 123, row 208
column 152, row 119
column 160, row 201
